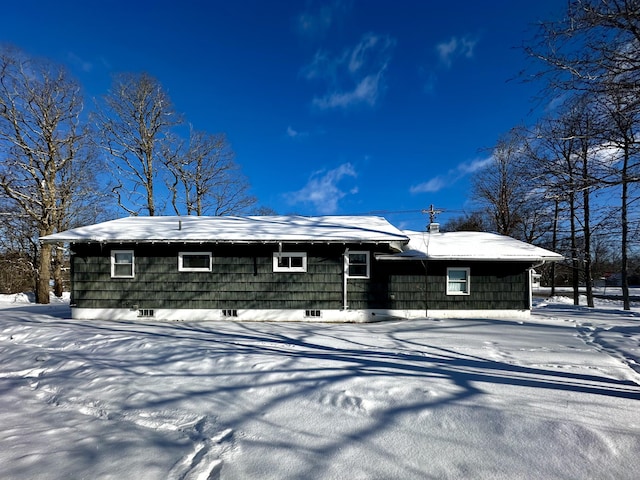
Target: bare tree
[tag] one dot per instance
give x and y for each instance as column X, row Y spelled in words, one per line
column 506, row 189
column 555, row 163
column 595, row 49
column 135, row 119
column 471, row 222
column 205, row 178
column 40, row 138
column 621, row 112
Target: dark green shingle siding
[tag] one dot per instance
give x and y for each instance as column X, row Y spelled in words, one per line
column 242, row 277
column 494, row 285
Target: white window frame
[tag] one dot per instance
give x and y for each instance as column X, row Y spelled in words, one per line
column 182, row 268
column 278, row 255
column 113, row 263
column 367, row 263
column 466, row 282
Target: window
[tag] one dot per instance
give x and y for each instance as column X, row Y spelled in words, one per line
column 289, row 261
column 194, row 261
column 358, row 265
column 458, row 281
column 122, row 264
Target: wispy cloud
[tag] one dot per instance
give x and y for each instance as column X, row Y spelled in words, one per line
column 448, row 52
column 315, row 22
column 355, row 76
column 456, row 47
column 324, row 189
column 440, row 182
column 434, row 185
column 80, row 63
column 292, row 133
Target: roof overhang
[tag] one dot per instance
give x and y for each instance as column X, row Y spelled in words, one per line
column 400, row 257
column 469, row 247
column 358, row 230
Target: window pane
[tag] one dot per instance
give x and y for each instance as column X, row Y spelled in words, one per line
column 458, row 287
column 357, row 270
column 360, row 258
column 123, row 257
column 458, row 275
column 123, row 270
column 290, row 262
column 457, row 281
column 195, row 261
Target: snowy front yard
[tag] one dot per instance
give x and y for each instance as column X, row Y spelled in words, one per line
column 556, row 397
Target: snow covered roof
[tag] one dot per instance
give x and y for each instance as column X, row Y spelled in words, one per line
column 469, row 246
column 193, row 229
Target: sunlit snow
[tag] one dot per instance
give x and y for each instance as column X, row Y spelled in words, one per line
column 556, row 396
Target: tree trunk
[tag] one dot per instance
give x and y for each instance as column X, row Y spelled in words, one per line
column 58, row 284
column 588, row 276
column 575, row 264
column 554, row 245
column 625, row 231
column 43, row 274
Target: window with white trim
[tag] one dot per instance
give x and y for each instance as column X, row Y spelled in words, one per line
column 290, row 261
column 458, row 281
column 194, row 261
column 358, row 264
column 122, row 264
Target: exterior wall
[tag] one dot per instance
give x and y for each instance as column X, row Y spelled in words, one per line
column 242, row 277
column 414, row 285
column 242, row 280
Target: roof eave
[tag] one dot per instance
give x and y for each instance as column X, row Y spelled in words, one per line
column 469, row 258
column 343, row 241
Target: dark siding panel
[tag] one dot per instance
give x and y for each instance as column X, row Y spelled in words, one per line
column 493, row 286
column 241, row 277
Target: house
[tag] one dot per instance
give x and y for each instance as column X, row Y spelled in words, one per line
column 465, row 274
column 331, row 269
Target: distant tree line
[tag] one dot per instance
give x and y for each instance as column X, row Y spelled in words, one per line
column 571, row 181
column 63, row 165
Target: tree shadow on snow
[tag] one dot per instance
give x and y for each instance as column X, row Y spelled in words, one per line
column 279, row 363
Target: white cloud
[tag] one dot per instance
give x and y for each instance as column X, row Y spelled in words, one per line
column 452, row 176
column 434, row 185
column 449, row 51
column 355, row 76
column 473, row 166
column 367, row 92
column 323, row 189
column 322, row 67
column 292, row 133
column 456, row 47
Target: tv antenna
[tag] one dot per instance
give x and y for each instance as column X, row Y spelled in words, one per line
column 432, row 213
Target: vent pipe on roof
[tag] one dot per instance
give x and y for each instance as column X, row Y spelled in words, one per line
column 434, row 227
column 180, row 224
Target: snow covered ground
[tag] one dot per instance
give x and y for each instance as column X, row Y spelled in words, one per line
column 554, row 397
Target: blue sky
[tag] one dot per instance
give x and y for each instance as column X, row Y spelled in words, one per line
column 336, row 107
